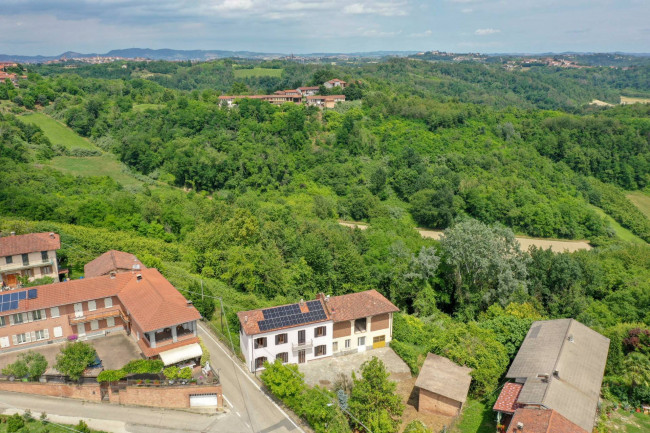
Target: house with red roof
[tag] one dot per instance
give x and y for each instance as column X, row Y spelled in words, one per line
column 141, row 302
column 335, row 83
column 32, row 255
column 326, row 101
column 112, row 262
column 305, row 331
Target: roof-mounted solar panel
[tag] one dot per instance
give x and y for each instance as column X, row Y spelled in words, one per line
column 32, row 293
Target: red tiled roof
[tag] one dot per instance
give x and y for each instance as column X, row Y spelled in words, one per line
column 29, row 243
column 326, row 97
column 542, row 421
column 112, row 261
column 309, row 88
column 249, row 319
column 152, row 302
column 507, row 401
column 336, row 80
column 358, row 305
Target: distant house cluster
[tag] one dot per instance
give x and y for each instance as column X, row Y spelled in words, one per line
column 557, row 375
column 305, row 331
column 10, row 76
column 308, row 95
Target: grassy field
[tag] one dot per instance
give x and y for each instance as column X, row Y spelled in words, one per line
column 105, row 165
column 630, row 100
column 57, row 132
column 142, row 107
column 621, row 232
column 37, row 426
column 476, row 418
column 625, row 422
column 257, row 72
column 640, row 200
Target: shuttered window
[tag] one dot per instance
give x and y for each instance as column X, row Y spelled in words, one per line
column 54, row 311
column 108, row 302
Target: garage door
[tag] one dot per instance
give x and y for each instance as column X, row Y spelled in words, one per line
column 203, row 400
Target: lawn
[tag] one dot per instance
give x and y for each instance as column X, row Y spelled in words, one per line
column 142, row 107
column 38, row 426
column 105, row 165
column 57, row 132
column 257, row 72
column 476, row 418
column 621, row 232
column 640, row 200
column 625, row 422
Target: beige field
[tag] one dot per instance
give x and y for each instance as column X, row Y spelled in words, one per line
column 630, row 100
column 601, row 103
column 555, row 245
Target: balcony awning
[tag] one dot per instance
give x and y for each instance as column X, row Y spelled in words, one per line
column 180, row 354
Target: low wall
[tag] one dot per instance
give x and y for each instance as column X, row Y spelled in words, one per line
column 89, row 392
column 170, row 397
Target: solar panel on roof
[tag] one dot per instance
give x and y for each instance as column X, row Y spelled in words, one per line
column 14, row 305
column 32, row 293
column 22, row 295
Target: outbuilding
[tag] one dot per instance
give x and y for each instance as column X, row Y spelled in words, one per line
column 443, row 386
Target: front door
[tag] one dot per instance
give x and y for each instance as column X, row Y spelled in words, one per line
column 78, row 310
column 301, row 337
column 361, row 344
column 12, row 280
column 301, row 357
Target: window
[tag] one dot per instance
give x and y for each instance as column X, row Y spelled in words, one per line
column 301, row 337
column 92, row 305
column 320, row 350
column 46, row 270
column 94, row 325
column 361, row 341
column 360, row 325
column 58, row 332
column 9, row 259
column 260, row 342
column 44, row 256
column 110, row 322
column 54, row 311
column 284, row 357
column 347, row 343
column 108, row 302
column 41, row 335
column 21, row 338
column 3, row 321
column 335, row 346
column 18, row 318
column 25, row 259
column 320, row 331
column 29, row 272
column 281, row 339
column 259, row 362
column 37, row 315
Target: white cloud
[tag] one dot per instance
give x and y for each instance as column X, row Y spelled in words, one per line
column 387, row 9
column 233, row 5
column 485, row 32
column 379, row 34
column 423, row 34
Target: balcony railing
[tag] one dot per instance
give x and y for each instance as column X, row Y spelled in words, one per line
column 19, row 266
column 307, row 344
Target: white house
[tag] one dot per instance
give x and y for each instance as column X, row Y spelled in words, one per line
column 302, row 332
column 335, row 83
column 32, row 255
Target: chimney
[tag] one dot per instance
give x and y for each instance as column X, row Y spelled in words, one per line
column 543, row 376
column 327, row 298
column 570, row 338
column 556, row 373
column 190, row 303
column 520, row 426
column 245, row 319
column 138, row 277
column 52, row 235
column 112, row 274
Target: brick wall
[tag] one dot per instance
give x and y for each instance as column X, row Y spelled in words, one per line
column 89, row 392
column 436, row 403
column 164, row 396
column 342, row 329
column 380, row 321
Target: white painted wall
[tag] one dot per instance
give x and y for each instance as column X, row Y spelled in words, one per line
column 369, row 334
column 34, row 259
column 271, row 350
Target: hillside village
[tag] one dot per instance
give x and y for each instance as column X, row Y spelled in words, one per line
column 553, row 384
column 302, row 95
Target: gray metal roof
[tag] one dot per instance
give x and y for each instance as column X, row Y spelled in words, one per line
column 573, row 356
column 442, row 376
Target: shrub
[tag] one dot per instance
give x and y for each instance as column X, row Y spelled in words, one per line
column 171, row 373
column 408, row 355
column 80, row 151
column 15, row 423
column 82, row 427
column 142, row 366
column 185, row 373
column 110, row 375
column 205, row 358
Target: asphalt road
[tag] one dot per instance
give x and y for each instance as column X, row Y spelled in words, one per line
column 249, row 409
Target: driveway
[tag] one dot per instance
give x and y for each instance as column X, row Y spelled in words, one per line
column 324, row 372
column 114, row 350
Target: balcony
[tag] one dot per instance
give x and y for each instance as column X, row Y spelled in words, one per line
column 96, row 315
column 306, row 345
column 16, row 267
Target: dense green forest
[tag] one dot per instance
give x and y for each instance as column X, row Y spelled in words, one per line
column 247, row 199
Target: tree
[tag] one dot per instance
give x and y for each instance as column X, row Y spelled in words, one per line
column 74, row 359
column 416, row 426
column 434, row 208
column 202, row 299
column 284, row 381
column 31, row 365
column 373, row 399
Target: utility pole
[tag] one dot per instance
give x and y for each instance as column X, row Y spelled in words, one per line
column 221, row 315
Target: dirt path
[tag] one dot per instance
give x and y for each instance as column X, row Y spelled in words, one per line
column 555, row 245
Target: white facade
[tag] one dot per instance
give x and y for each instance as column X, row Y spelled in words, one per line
column 293, row 348
column 357, row 341
column 35, row 265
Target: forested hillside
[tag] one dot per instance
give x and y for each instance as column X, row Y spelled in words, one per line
column 247, row 199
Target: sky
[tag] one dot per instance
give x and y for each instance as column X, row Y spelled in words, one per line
column 51, row 27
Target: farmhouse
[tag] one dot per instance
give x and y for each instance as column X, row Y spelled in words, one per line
column 112, row 261
column 32, row 255
column 443, row 386
column 559, row 368
column 327, row 101
column 335, row 83
column 277, row 99
column 308, row 91
column 301, row 332
column 142, row 303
